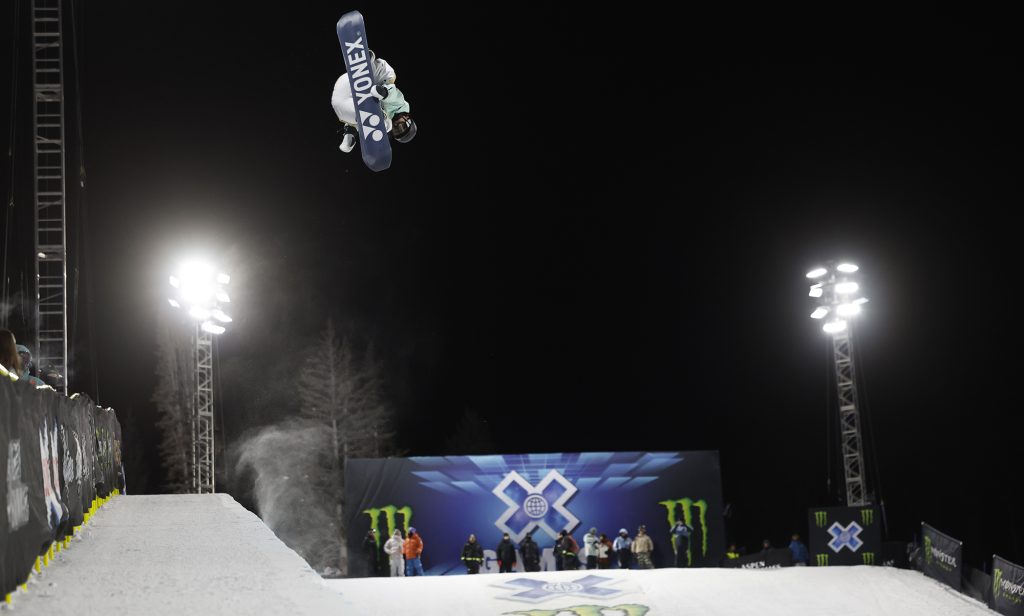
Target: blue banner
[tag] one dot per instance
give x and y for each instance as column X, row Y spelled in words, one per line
column 448, row 498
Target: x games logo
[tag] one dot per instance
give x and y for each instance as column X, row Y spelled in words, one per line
column 541, row 506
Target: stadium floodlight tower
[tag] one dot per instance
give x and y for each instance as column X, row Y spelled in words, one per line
column 837, row 291
column 200, row 292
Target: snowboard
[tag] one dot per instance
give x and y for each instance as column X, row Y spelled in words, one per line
column 373, row 137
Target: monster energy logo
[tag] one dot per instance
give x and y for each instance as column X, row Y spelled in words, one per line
column 822, row 560
column 631, row 609
column 389, row 512
column 687, row 505
column 821, row 518
column 867, row 516
column 1008, row 588
column 869, row 557
column 945, row 560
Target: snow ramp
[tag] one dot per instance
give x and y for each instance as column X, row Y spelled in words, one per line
column 180, row 555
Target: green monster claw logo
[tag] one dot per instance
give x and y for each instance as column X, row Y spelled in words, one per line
column 821, row 518
column 997, row 576
column 869, row 557
column 822, row 560
column 687, row 505
column 927, row 550
column 389, row 512
column 631, row 609
column 867, row 516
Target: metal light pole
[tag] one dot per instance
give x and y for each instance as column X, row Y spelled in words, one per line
column 201, row 293
column 834, row 289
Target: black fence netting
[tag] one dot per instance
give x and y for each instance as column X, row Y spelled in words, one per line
column 59, row 457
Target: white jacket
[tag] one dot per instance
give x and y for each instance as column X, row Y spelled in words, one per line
column 591, row 545
column 393, row 546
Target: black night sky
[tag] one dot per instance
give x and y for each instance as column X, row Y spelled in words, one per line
column 597, row 241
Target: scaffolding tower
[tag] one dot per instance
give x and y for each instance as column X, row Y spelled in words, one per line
column 50, row 212
column 202, row 424
column 839, row 300
column 849, row 420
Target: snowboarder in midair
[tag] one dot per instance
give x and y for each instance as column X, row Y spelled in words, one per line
column 398, row 123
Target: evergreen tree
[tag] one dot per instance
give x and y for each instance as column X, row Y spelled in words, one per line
column 342, row 394
column 175, row 372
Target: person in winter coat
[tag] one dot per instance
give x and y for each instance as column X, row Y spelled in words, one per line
column 623, row 549
column 397, row 121
column 506, row 552
column 604, row 552
column 27, row 367
column 681, row 533
column 643, row 547
column 370, row 552
column 472, row 556
column 799, row 550
column 556, row 550
column 393, row 548
column 530, row 552
column 590, row 547
column 413, row 549
column 568, row 550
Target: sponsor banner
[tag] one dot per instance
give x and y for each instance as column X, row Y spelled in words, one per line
column 942, row 557
column 447, row 498
column 770, row 559
column 1007, row 587
column 45, row 447
column 844, row 536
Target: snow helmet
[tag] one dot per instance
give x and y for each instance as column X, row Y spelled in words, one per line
column 412, row 529
column 623, row 531
column 404, row 128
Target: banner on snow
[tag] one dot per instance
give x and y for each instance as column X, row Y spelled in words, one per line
column 57, row 455
column 943, row 556
column 844, row 536
column 1007, row 587
column 769, row 559
column 447, row 498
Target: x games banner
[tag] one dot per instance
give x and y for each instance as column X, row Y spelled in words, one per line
column 447, row 498
column 943, row 557
column 842, row 536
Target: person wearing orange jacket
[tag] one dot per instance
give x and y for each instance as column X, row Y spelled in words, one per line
column 413, row 549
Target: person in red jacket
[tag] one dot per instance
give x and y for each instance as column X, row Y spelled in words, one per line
column 413, row 549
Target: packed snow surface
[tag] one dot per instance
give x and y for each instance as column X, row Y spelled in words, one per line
column 793, row 591
column 189, row 554
column 177, row 554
